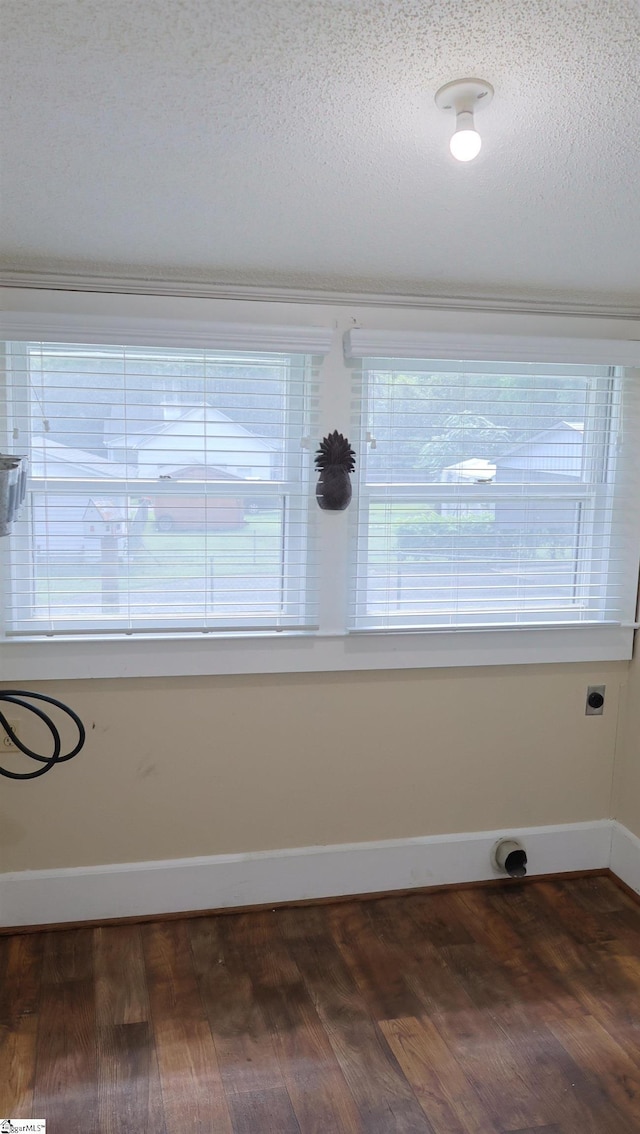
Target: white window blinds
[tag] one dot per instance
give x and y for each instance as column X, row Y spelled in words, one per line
column 169, row 489
column 493, row 495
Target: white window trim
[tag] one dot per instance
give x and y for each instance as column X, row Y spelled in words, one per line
column 103, row 330
column 202, row 655
column 396, row 331
column 492, row 348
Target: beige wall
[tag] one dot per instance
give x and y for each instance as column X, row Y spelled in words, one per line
column 626, row 796
column 199, row 766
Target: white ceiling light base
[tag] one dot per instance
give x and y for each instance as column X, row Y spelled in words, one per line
column 464, row 96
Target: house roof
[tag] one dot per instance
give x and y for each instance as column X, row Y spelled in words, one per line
column 45, row 452
column 575, row 426
column 475, row 468
column 143, row 438
column 107, row 511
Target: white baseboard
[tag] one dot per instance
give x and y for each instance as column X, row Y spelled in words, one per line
column 136, row 889
column 625, row 856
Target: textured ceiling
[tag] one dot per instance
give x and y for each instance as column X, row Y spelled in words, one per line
column 296, row 143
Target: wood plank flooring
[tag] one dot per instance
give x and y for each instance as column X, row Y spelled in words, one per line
column 479, row 1011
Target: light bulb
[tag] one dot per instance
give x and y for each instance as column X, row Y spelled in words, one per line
column 463, row 96
column 465, row 144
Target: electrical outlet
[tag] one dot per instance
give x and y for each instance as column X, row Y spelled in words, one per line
column 595, row 700
column 6, row 741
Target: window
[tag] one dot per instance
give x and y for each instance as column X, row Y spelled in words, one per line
column 172, row 491
column 169, row 490
column 487, row 496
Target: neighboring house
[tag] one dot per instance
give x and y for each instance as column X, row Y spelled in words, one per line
column 476, row 470
column 59, row 523
column 102, row 519
column 553, row 456
column 197, row 435
column 77, row 522
column 50, row 458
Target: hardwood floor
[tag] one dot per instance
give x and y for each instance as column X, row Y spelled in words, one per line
column 480, row 1011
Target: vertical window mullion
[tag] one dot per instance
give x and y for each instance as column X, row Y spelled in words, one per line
column 335, row 406
column 297, row 567
column 597, row 541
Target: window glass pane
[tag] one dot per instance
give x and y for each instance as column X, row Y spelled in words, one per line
column 170, row 559
column 439, row 561
column 519, row 524
column 169, row 490
column 459, row 426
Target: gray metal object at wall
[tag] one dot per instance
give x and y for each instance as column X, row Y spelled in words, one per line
column 13, row 488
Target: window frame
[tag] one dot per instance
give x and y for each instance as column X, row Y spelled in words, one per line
column 592, row 497
column 22, row 625
column 396, row 326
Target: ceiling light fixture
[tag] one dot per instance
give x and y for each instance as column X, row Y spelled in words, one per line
column 464, row 96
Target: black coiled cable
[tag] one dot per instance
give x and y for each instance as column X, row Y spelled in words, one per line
column 16, row 697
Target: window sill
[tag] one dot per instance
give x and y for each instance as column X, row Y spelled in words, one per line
column 198, row 655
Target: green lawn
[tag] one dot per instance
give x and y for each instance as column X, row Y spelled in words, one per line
column 255, row 549
column 251, row 549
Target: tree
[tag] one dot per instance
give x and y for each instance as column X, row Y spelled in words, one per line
column 463, row 436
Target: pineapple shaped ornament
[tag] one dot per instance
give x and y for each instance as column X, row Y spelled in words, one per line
column 335, row 459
